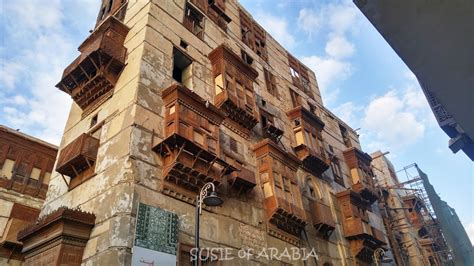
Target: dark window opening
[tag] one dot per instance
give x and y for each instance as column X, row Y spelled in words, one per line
column 331, row 149
column 246, row 57
column 181, row 66
column 264, row 103
column 312, row 108
column 297, row 122
column 111, row 2
column 233, row 145
column 337, row 172
column 345, row 136
column 311, row 192
column 271, row 82
column 264, row 121
column 295, row 98
column 183, row 44
column 194, row 21
column 94, row 120
column 102, row 13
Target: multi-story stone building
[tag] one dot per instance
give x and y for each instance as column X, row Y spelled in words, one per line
column 26, row 164
column 170, row 95
column 413, row 230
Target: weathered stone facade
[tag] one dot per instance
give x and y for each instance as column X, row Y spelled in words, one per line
column 26, row 164
column 261, row 141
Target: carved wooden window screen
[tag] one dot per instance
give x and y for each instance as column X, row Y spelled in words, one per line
column 253, row 35
column 239, row 88
column 337, row 172
column 192, row 126
column 281, row 180
column 206, row 7
column 116, row 8
column 194, row 21
column 270, row 81
column 299, row 75
column 295, row 98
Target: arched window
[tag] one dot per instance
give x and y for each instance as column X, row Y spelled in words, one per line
column 313, row 191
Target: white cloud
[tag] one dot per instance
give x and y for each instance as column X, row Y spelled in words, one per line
column 392, row 121
column 347, row 112
column 19, row 100
column 339, row 47
column 278, row 28
column 334, row 66
column 409, row 75
column 34, row 14
column 308, row 22
column 327, row 70
column 342, row 18
column 40, row 41
column 470, row 232
column 8, row 73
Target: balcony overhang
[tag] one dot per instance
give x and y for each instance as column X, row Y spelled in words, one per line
column 284, row 215
column 365, row 192
column 78, row 155
column 94, row 73
column 312, row 161
column 268, row 147
column 356, row 158
column 224, row 54
column 244, row 117
column 187, row 97
column 243, row 180
column 322, row 219
column 67, row 228
column 189, row 167
column 307, row 116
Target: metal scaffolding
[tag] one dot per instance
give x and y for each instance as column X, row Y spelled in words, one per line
column 413, row 184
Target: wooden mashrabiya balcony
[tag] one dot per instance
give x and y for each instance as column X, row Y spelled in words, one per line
column 78, row 155
column 190, row 148
column 312, row 155
column 361, row 173
column 234, row 86
column 285, row 215
column 322, row 218
column 91, row 77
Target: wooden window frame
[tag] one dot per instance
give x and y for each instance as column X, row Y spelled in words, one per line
column 337, row 172
column 192, row 16
column 299, row 75
column 252, row 35
column 295, row 98
column 270, row 81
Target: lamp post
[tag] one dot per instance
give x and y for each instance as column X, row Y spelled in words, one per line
column 210, row 200
column 378, row 255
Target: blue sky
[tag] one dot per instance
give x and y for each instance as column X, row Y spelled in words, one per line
column 360, row 77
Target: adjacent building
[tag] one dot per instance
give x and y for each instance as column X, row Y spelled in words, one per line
column 171, row 95
column 422, row 229
column 433, row 41
column 26, row 164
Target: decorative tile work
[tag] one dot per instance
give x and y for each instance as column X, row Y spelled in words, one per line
column 157, row 229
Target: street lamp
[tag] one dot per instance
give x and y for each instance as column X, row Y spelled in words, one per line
column 210, row 200
column 379, row 255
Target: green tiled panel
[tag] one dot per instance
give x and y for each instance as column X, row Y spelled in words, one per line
column 157, row 229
